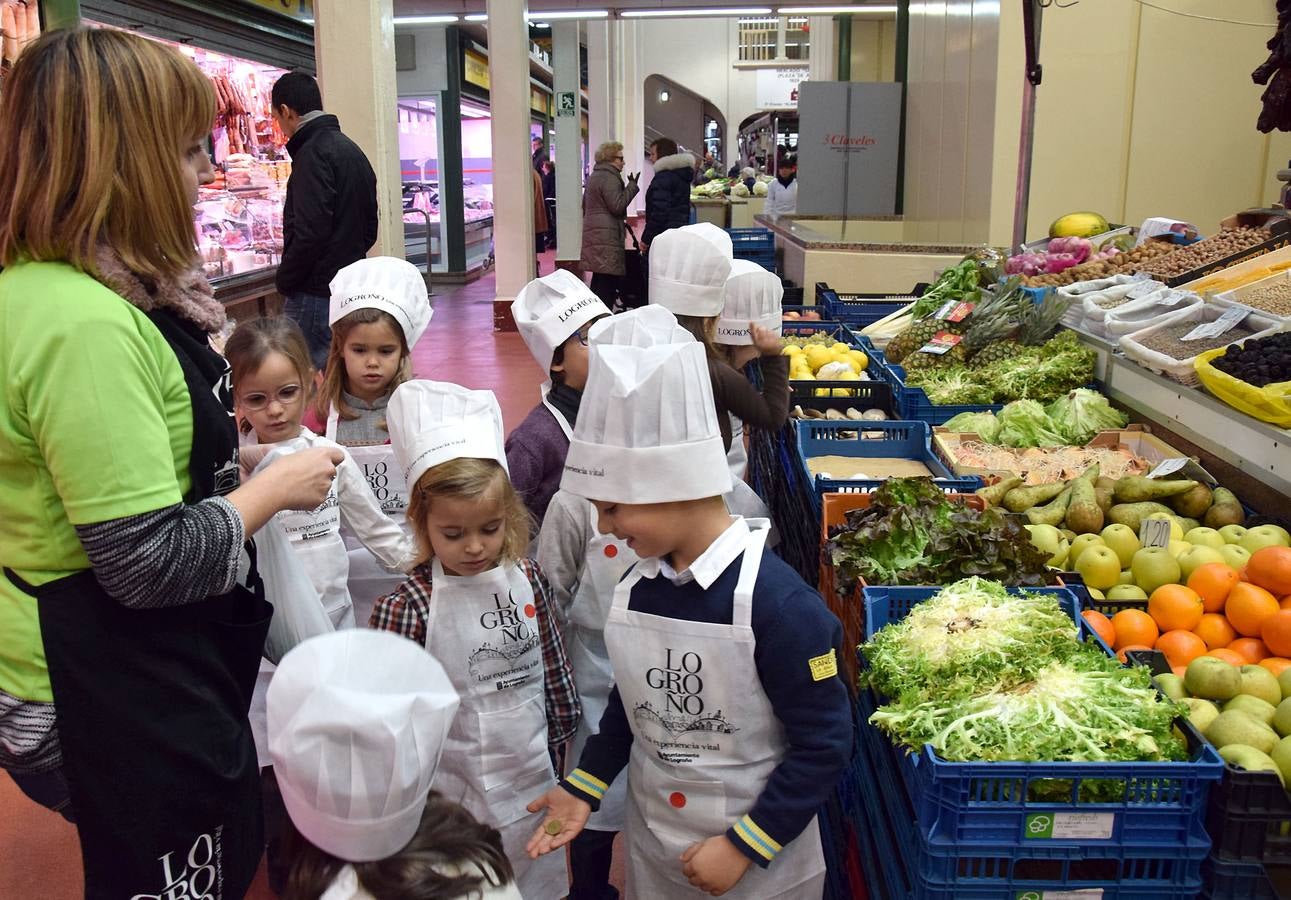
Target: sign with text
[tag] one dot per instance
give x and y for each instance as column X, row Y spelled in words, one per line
column 566, row 104
column 848, row 139
column 778, row 88
column 475, row 69
column 297, row 9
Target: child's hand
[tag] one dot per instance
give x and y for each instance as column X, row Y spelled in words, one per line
column 715, row 865
column 563, row 809
column 766, row 340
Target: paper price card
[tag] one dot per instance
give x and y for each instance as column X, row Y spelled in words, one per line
column 1154, row 533
column 1070, row 826
column 1169, row 466
column 941, row 342
column 1229, row 320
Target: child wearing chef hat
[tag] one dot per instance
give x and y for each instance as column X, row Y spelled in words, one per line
column 485, row 611
column 727, row 709
column 357, row 723
column 689, row 272
column 553, row 314
column 583, row 567
column 379, row 310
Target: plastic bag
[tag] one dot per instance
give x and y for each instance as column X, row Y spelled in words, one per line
column 298, row 612
column 1271, row 403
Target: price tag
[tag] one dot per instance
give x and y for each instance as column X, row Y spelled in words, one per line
column 1154, row 533
column 960, row 312
column 941, row 342
column 1071, row 826
column 1172, row 298
column 1230, row 319
column 1169, row 466
column 1144, row 288
column 944, row 309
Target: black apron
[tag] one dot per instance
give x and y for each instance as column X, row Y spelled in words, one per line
column 152, row 704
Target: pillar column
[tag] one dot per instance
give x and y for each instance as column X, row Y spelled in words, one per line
column 513, row 194
column 569, row 181
column 600, row 88
column 822, row 55
column 354, row 48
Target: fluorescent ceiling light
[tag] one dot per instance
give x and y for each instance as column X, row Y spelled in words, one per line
column 477, row 17
column 554, row 15
column 833, row 10
column 683, row 13
column 424, row 20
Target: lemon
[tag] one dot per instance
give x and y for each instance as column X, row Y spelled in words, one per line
column 860, row 358
column 791, row 351
column 840, row 347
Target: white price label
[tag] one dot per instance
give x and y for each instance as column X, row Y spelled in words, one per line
column 1154, row 533
column 1172, row 298
column 1230, row 319
column 1169, row 466
column 945, row 309
column 1143, row 289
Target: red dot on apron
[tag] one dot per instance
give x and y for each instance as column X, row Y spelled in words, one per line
column 677, row 799
column 529, row 610
column 611, row 551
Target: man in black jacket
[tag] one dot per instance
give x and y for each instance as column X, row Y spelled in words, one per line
column 329, row 218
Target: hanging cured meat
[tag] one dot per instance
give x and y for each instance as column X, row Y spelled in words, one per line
column 1276, row 73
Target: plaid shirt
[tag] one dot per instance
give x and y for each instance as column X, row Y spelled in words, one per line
column 405, row 612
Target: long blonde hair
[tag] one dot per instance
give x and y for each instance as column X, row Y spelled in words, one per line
column 469, row 479
column 93, row 123
column 332, row 392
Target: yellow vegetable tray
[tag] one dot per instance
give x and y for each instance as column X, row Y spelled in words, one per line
column 1271, row 403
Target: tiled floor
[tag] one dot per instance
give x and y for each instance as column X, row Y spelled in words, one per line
column 39, row 852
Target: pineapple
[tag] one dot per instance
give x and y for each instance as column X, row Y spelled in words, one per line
column 1041, row 319
column 988, row 329
column 914, row 337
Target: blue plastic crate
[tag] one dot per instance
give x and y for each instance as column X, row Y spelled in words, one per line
column 860, row 310
column 872, row 440
column 914, row 404
column 887, row 605
column 976, row 805
column 922, row 869
column 745, row 242
column 837, row 331
column 1225, row 880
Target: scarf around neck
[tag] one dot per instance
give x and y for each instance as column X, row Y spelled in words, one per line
column 189, row 296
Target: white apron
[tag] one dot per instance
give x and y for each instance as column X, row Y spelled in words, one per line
column 369, row 579
column 705, row 740
column 484, row 630
column 607, row 560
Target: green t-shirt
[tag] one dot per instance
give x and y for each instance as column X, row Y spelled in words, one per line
column 95, row 424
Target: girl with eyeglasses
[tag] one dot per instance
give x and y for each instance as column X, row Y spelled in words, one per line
column 271, row 378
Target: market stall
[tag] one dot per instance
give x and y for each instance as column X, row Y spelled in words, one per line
column 1058, row 538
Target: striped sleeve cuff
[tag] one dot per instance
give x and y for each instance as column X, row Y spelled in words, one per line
column 587, row 786
column 755, row 843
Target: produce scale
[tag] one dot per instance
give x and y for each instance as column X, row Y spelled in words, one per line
column 1046, row 494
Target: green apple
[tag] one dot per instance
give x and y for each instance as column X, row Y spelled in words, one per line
column 1078, row 547
column 1178, row 548
column 1282, row 756
column 1099, row 566
column 1048, row 539
column 1233, row 534
column 1252, row 759
column 1212, row 678
column 1200, row 712
column 1188, row 525
column 1197, row 556
column 1172, row 686
column 1068, row 534
column 1176, row 530
column 1123, row 541
column 1126, row 591
column 1153, row 567
column 1258, row 681
column 1262, row 536
column 1127, row 577
column 1235, row 555
column 1095, row 593
column 1205, row 537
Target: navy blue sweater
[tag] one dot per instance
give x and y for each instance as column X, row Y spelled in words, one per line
column 797, row 642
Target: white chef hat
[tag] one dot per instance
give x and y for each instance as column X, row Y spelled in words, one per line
column 688, row 269
column 644, row 326
column 357, row 721
column 552, row 308
column 647, row 427
column 753, row 294
column 432, row 422
column 394, row 286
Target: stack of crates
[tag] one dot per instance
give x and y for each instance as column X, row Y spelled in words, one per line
column 754, row 244
column 1249, row 820
column 957, row 831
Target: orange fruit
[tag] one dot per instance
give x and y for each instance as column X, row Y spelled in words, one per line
column 1180, row 647
column 1134, row 626
column 1175, row 606
column 1215, row 631
column 1101, row 624
column 1247, row 608
column 1179, row 670
column 1212, row 582
column 1270, row 568
column 1276, row 632
column 1251, row 649
column 1120, row 654
column 1229, row 656
column 1285, row 602
column 1276, row 664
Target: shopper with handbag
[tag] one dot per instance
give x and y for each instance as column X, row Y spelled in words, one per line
column 605, row 204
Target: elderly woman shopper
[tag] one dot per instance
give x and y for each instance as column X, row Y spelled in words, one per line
column 126, row 622
column 605, row 203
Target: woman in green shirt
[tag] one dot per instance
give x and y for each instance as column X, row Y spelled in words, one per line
column 122, row 517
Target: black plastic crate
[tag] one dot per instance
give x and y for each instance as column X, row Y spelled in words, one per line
column 1249, row 818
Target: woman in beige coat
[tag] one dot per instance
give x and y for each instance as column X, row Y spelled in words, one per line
column 605, row 203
